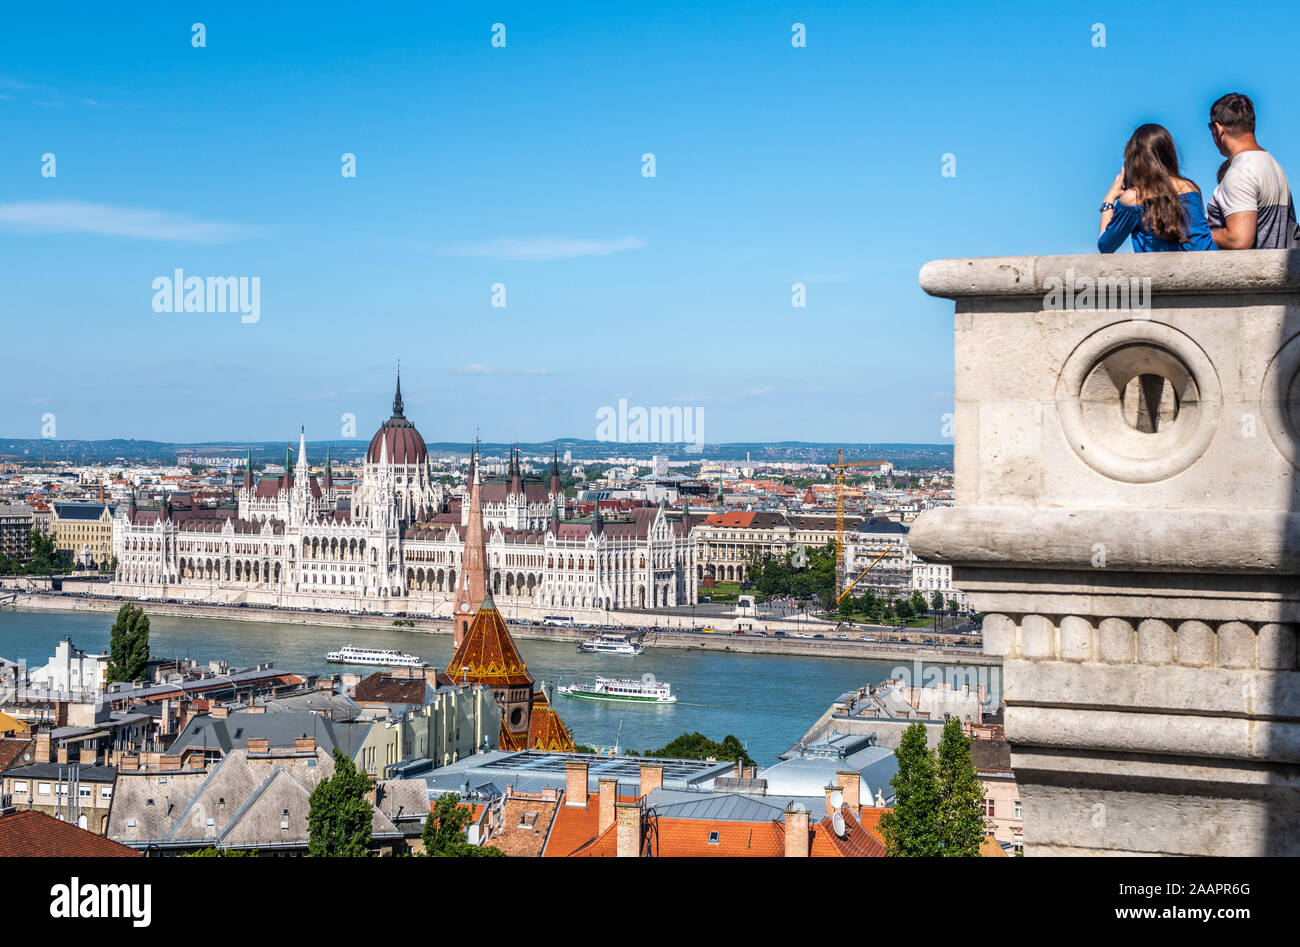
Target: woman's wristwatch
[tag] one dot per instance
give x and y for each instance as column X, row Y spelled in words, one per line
column 1108, row 205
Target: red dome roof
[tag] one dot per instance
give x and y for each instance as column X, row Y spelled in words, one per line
column 405, row 445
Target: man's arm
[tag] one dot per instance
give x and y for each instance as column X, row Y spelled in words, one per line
column 1238, row 232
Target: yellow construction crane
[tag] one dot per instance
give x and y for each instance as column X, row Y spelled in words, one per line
column 840, row 563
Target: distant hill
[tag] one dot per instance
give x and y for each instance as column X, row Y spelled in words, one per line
column 926, row 456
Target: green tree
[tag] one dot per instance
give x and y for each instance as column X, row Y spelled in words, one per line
column 339, row 817
column 961, row 794
column 444, row 831
column 911, row 827
column 696, row 746
column 129, row 650
column 918, row 603
column 936, row 602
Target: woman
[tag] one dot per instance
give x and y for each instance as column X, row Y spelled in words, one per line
column 1151, row 202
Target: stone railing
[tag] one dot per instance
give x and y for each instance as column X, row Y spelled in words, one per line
column 1128, row 516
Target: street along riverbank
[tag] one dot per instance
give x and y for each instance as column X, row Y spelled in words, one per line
column 677, row 638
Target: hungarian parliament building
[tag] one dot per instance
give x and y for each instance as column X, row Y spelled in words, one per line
column 396, row 542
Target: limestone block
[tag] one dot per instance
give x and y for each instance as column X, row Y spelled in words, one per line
column 1116, row 641
column 1037, row 637
column 1155, row 642
column 1195, row 644
column 1236, row 645
column 1076, row 638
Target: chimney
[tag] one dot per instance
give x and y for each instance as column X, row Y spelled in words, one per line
column 738, row 769
column 575, row 783
column 129, row 764
column 751, row 772
column 42, row 748
column 850, row 784
column 652, row 777
column 196, row 761
column 830, row 791
column 220, row 713
column 304, row 745
column 608, row 794
column 63, row 754
column 169, row 764
column 629, row 829
column 796, row 832
column 259, row 745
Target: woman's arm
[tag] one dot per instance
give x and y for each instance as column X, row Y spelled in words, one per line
column 1119, row 222
column 1112, row 195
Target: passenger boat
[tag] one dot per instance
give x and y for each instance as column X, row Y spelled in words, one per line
column 636, row 692
column 610, row 644
column 374, row 657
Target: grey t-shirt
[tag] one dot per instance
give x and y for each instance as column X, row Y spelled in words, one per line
column 1255, row 181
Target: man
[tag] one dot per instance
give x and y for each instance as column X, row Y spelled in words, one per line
column 1252, row 207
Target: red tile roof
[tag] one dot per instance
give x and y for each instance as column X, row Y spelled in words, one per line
column 31, row 834
column 689, row 838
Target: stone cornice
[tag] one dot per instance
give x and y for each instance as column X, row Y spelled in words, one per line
column 1241, row 271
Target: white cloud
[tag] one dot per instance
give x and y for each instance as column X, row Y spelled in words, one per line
column 548, row 248
column 82, row 217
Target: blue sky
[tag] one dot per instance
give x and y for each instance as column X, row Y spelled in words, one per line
column 522, row 165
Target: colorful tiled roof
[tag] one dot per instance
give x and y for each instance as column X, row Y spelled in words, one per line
column 489, row 652
column 546, row 731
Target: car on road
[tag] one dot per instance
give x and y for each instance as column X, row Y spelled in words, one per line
column 819, row 636
column 781, row 634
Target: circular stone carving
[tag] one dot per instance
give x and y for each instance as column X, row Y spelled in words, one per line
column 1279, row 400
column 1138, row 401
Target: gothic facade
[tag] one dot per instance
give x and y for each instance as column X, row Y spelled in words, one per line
column 396, row 542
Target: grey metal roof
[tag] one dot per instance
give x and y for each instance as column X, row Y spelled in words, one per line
column 280, row 729
column 533, row 771
column 249, row 675
column 809, row 775
column 85, row 773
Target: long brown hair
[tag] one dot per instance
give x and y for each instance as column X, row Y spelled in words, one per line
column 1151, row 168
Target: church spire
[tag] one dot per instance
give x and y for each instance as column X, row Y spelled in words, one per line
column 248, row 471
column 471, row 583
column 397, row 398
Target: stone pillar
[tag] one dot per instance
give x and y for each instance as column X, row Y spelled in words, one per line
column 1127, row 448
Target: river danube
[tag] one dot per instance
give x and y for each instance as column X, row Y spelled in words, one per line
column 767, row 701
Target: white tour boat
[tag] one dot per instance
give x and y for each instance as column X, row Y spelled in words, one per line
column 635, row 692
column 611, row 644
column 374, row 657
